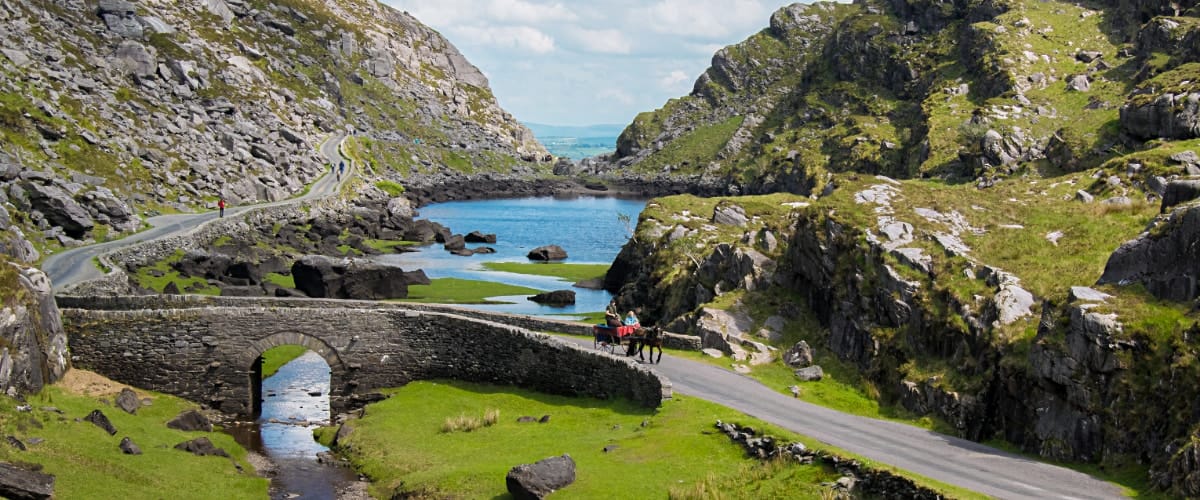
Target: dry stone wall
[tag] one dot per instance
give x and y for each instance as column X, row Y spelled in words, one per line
column 204, row 348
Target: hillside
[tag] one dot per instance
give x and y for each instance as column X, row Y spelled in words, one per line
column 966, row 215
column 116, row 110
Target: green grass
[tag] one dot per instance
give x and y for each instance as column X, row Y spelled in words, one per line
column 388, row 245
column 283, row 280
column 147, row 280
column 87, row 462
column 399, row 444
column 460, row 291
column 275, row 357
column 567, row 272
column 393, row 189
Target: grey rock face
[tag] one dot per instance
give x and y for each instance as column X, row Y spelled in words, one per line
column 135, row 59
column 35, row 345
column 1169, row 264
column 537, row 480
column 325, row 277
column 16, row 482
column 1167, row 116
column 1180, row 191
column 59, row 208
column 128, row 401
column 202, row 447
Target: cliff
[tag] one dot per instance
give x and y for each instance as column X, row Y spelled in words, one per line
column 966, row 213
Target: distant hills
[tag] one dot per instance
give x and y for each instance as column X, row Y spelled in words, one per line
column 577, row 142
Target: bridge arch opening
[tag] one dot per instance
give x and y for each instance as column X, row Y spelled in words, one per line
column 299, row 345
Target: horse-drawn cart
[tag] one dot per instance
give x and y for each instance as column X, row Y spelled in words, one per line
column 610, row 337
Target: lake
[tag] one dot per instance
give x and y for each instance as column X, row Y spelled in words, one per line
column 588, row 228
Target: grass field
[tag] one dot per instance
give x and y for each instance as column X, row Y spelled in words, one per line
column 460, row 291
column 568, row 272
column 276, row 357
column 87, row 462
column 673, row 450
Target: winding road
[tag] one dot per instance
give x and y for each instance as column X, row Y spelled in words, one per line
column 945, row 458
column 76, row 266
column 948, row 459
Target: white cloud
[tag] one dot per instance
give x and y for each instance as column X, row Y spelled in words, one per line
column 607, row 41
column 517, row 37
column 615, row 94
column 705, row 19
column 672, row 80
column 447, row 12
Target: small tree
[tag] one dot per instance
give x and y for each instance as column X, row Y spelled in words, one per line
column 627, row 221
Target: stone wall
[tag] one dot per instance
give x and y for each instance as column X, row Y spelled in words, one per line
column 204, row 348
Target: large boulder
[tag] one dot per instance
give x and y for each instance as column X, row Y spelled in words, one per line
column 1166, row 116
column 555, row 298
column 799, row 356
column 326, row 277
column 191, row 420
column 478, row 237
column 34, row 351
column 1179, row 192
column 1166, row 261
column 59, row 208
column 537, row 480
column 18, row 483
column 547, row 253
column 201, row 446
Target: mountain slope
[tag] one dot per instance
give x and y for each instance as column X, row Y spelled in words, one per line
column 114, row 109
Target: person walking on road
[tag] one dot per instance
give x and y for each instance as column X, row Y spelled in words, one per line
column 221, row 206
column 341, row 169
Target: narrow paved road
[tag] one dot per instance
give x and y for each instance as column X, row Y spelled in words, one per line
column 948, row 459
column 75, row 265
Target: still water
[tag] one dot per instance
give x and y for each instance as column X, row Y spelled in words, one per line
column 296, row 398
column 588, row 228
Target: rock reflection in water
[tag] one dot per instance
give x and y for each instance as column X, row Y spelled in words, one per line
column 283, row 433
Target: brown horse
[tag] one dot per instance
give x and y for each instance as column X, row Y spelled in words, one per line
column 652, row 338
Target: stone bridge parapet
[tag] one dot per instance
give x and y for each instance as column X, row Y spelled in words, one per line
column 205, row 348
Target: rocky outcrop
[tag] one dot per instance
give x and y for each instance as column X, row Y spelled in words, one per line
column 18, row 483
column 1167, row 115
column 539, row 479
column 34, row 349
column 325, row 277
column 1165, row 259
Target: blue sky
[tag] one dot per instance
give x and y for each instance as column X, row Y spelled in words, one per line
column 581, row 62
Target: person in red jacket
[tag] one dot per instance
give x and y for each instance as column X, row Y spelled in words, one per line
column 221, row 205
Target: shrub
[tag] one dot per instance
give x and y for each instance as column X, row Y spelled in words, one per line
column 393, row 189
column 461, row 423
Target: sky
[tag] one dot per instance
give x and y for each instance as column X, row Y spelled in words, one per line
column 586, row 62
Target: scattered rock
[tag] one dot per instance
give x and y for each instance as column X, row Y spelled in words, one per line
column 201, row 446
column 810, row 373
column 15, row 443
column 799, row 356
column 557, row 298
column 1084, row 196
column 714, row 353
column 547, row 253
column 191, row 420
column 526, row 419
column 1087, row 294
column 610, row 448
column 128, row 400
column 129, row 448
column 544, row 419
column 326, row 277
column 97, row 417
column 478, row 237
column 536, row 481
column 730, row 215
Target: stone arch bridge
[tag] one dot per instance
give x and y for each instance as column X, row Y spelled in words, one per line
column 207, row 349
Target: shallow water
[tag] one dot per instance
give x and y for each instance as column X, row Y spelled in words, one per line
column 588, row 228
column 284, row 431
